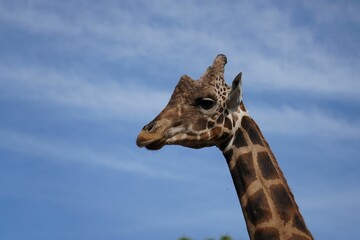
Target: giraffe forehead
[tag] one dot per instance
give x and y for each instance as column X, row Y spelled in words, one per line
column 222, row 91
column 190, row 88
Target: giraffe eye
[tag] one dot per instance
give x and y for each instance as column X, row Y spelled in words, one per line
column 205, row 103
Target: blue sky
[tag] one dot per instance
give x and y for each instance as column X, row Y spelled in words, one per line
column 79, row 79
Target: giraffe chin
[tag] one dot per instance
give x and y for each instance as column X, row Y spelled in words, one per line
column 155, row 145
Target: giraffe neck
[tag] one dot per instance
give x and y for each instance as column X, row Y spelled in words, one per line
column 269, row 208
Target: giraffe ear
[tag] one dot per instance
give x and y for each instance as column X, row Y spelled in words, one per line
column 235, row 96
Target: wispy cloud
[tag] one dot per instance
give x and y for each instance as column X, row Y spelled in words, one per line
column 276, row 53
column 289, row 121
column 67, row 153
column 105, row 98
column 325, row 78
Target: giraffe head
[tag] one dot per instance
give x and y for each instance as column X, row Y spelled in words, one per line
column 200, row 113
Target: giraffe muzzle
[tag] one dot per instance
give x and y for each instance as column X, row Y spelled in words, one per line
column 149, row 127
column 153, row 136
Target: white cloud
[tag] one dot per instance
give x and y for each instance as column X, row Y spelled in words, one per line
column 107, row 98
column 324, row 78
column 65, row 153
column 274, row 52
column 290, row 121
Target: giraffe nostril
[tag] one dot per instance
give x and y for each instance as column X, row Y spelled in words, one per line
column 150, row 126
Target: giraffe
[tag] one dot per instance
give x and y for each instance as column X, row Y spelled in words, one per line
column 207, row 112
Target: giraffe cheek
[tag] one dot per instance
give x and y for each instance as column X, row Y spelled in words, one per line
column 204, row 135
column 200, row 124
column 215, row 132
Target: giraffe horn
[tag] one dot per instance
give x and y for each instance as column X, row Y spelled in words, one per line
column 216, row 69
column 220, row 61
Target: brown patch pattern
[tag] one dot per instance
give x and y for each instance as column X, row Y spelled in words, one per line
column 267, row 233
column 252, row 130
column 239, row 140
column 267, row 168
column 227, row 123
column 282, row 201
column 299, row 223
column 224, row 141
column 257, row 208
column 228, row 155
column 243, row 172
column 210, row 124
column 220, row 119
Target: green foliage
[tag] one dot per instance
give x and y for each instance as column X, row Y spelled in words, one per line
column 224, row 237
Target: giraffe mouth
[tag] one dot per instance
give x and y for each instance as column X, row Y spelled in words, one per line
column 155, row 134
column 152, row 145
column 149, row 141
